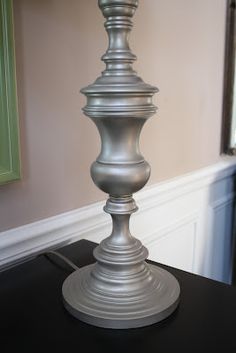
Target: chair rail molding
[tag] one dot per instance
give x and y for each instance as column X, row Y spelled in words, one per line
column 185, row 222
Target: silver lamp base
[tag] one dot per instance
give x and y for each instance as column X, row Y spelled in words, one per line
column 120, row 309
column 120, row 290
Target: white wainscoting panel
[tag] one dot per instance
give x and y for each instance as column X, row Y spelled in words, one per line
column 174, row 245
column 185, row 222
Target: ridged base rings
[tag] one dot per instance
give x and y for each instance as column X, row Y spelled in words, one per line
column 125, row 307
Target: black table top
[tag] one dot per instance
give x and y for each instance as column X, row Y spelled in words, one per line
column 33, row 319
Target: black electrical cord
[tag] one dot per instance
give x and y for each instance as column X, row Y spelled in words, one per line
column 62, row 257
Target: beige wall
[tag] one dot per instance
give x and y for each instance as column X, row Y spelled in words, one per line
column 180, row 46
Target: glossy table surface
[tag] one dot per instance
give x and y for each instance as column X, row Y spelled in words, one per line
column 33, row 319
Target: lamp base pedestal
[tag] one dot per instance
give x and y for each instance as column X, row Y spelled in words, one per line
column 121, row 304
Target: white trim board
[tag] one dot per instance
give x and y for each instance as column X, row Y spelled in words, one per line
column 165, row 209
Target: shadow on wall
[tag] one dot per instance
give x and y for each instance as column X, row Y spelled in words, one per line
column 233, row 255
column 222, row 226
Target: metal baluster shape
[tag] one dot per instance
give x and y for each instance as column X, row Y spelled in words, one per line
column 120, row 290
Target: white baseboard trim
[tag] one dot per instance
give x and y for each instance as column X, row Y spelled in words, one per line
column 92, row 223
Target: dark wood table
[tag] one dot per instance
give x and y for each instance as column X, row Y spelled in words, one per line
column 33, row 319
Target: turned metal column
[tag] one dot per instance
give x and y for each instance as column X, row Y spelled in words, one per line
column 120, row 290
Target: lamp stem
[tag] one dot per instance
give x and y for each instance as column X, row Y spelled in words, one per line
column 120, row 290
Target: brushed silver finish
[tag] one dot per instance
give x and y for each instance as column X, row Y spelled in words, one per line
column 109, row 308
column 120, row 290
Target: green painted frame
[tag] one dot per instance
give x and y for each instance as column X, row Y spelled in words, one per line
column 9, row 125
